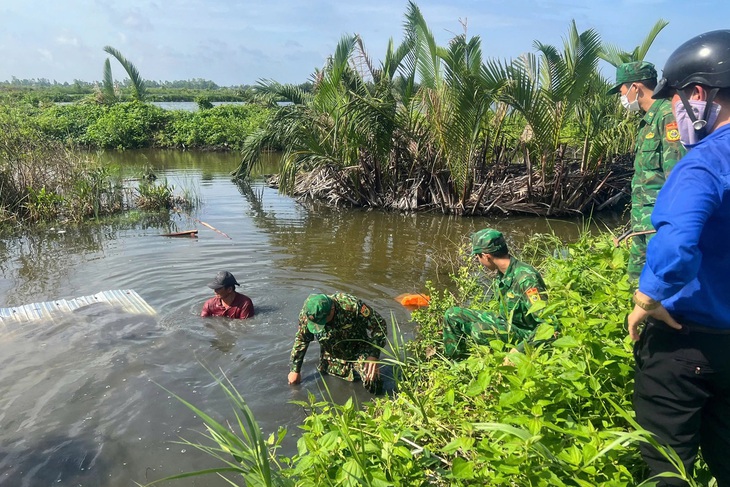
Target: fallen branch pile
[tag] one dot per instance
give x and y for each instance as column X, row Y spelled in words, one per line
column 567, row 191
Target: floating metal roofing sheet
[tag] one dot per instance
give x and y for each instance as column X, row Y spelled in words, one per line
column 124, row 299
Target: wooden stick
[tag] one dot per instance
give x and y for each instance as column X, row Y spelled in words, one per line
column 186, row 233
column 203, row 223
column 211, row 227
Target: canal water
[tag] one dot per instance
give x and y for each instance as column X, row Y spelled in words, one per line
column 88, row 398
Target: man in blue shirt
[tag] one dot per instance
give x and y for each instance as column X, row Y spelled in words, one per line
column 682, row 375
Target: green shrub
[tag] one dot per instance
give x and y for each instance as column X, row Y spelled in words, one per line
column 69, row 123
column 223, row 126
column 131, row 125
column 128, row 125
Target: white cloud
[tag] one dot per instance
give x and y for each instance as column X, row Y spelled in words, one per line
column 70, row 41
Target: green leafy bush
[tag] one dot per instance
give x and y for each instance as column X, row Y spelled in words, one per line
column 131, row 125
column 222, row 126
column 41, row 180
column 128, row 125
column 69, row 123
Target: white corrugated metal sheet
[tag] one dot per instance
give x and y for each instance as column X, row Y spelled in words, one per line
column 123, row 299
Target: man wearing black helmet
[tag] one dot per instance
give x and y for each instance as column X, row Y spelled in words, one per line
column 682, row 386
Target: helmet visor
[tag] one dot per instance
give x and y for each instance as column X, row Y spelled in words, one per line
column 662, row 89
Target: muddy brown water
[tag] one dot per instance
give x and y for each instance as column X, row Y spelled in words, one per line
column 85, row 397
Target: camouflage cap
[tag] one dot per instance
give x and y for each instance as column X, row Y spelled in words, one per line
column 630, row 72
column 488, row 241
column 317, row 307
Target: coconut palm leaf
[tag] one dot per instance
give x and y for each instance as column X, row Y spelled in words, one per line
column 138, row 86
column 426, row 54
column 616, row 56
column 107, row 84
column 641, row 50
column 272, row 92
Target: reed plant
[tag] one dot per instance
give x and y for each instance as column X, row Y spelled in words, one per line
column 239, row 445
column 161, row 195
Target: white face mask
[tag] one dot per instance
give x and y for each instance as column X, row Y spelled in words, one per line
column 632, row 106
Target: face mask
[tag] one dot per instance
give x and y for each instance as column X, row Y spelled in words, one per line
column 693, row 129
column 632, row 106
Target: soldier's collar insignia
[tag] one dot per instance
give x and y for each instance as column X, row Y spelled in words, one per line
column 650, row 135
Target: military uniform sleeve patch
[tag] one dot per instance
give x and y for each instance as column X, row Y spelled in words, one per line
column 365, row 311
column 672, row 132
column 533, row 295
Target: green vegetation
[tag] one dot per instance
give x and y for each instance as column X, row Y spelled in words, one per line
column 222, row 127
column 116, row 117
column 46, row 91
column 133, row 124
column 557, row 415
column 441, row 127
column 41, row 181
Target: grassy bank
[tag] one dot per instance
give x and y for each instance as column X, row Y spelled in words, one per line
column 557, row 415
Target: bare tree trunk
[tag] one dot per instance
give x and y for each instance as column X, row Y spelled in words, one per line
column 528, row 168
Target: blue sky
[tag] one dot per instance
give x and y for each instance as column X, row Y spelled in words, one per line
column 240, row 42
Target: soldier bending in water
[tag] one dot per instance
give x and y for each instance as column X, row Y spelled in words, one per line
column 350, row 334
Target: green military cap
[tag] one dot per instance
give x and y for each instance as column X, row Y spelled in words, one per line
column 317, row 307
column 630, row 72
column 488, row 241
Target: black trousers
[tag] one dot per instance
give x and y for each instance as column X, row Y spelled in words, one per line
column 682, row 395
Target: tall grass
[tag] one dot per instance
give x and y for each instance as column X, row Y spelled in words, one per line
column 240, row 446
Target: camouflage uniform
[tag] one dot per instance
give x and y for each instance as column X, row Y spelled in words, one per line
column 658, row 150
column 517, row 289
column 354, row 334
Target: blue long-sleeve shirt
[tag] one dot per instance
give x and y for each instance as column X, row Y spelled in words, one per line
column 688, row 261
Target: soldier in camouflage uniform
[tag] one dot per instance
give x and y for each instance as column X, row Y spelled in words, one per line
column 657, row 151
column 518, row 286
column 349, row 333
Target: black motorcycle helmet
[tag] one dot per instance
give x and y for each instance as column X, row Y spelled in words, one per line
column 703, row 60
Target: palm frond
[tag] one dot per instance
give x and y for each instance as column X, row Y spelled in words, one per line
column 138, row 85
column 643, row 48
column 108, row 83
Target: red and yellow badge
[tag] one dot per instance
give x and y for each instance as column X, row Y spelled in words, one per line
column 533, row 295
column 365, row 311
column 672, row 132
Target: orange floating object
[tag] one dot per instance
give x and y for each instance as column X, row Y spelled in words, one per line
column 417, row 300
